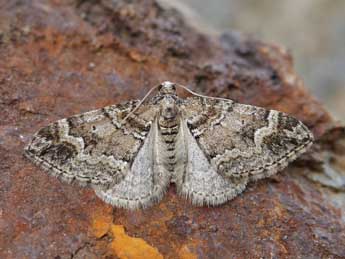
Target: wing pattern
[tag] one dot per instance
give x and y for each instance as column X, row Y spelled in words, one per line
column 243, row 140
column 210, row 148
column 92, row 148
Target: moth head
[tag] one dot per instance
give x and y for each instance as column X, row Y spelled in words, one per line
column 168, row 108
column 167, row 88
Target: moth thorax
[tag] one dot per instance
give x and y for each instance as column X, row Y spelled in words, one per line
column 168, row 108
column 168, row 121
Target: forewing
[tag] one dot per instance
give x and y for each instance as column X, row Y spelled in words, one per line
column 93, row 147
column 243, row 140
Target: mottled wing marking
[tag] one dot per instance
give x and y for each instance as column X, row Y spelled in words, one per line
column 147, row 180
column 243, row 140
column 210, row 148
column 93, row 147
column 207, row 115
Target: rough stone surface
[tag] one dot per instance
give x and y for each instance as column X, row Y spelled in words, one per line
column 59, row 58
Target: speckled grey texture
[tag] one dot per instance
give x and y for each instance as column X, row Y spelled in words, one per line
column 210, row 148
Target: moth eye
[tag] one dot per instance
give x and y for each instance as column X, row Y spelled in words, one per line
column 93, row 127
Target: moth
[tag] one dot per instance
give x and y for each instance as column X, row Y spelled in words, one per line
column 210, row 148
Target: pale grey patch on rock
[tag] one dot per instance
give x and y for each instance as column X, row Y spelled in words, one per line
column 211, row 148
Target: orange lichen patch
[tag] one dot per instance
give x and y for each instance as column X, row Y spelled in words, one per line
column 185, row 253
column 101, row 224
column 122, row 245
column 127, row 247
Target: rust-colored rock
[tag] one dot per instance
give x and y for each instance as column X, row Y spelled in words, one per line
column 59, row 58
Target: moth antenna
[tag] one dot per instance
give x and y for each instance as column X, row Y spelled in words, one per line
column 140, row 103
column 200, row 95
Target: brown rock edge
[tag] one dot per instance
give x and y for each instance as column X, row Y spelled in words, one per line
column 62, row 57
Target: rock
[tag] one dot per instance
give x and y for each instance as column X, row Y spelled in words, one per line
column 59, row 58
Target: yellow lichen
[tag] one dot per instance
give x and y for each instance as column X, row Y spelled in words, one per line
column 127, row 247
column 101, row 224
column 122, row 245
